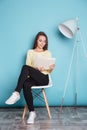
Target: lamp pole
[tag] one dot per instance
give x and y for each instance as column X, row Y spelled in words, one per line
column 75, row 47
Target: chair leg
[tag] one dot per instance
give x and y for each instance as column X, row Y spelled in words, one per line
column 47, row 106
column 24, row 112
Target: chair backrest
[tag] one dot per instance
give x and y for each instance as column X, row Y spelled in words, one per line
column 44, row 86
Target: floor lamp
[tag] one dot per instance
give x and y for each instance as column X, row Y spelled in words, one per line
column 70, row 28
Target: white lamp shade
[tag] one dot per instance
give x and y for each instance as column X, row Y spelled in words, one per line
column 68, row 28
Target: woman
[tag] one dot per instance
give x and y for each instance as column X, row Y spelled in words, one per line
column 31, row 75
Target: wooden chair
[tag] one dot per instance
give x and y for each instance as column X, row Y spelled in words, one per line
column 38, row 95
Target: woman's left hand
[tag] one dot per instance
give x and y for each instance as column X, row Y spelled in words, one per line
column 51, row 67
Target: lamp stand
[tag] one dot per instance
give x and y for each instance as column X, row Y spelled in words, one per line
column 75, row 48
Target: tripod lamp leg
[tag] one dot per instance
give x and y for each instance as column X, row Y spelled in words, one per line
column 75, row 100
column 62, row 104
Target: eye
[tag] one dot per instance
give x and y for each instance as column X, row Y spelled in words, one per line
column 40, row 40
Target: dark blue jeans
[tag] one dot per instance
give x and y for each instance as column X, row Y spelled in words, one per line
column 28, row 78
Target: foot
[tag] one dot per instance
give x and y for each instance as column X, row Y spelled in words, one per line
column 13, row 98
column 31, row 118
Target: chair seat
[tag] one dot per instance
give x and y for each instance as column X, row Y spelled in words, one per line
column 38, row 87
column 44, row 86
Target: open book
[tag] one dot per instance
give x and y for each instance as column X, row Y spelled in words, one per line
column 45, row 62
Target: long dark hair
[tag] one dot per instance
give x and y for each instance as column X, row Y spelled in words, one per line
column 36, row 38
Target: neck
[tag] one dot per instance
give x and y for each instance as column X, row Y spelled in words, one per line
column 39, row 49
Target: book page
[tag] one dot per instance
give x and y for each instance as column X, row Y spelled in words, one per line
column 45, row 62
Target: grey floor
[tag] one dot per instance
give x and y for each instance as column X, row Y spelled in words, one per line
column 69, row 119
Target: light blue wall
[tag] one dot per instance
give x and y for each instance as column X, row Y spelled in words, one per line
column 20, row 20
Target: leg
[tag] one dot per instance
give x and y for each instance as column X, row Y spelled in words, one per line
column 16, row 95
column 28, row 93
column 24, row 112
column 22, row 78
column 37, row 76
column 34, row 75
column 47, row 106
column 29, row 100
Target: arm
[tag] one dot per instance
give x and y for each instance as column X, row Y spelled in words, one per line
column 28, row 59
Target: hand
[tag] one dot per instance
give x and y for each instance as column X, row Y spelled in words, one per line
column 51, row 67
column 40, row 68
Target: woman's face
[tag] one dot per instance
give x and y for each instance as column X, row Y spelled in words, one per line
column 41, row 41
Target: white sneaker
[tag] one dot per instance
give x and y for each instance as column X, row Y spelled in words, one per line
column 31, row 118
column 13, row 98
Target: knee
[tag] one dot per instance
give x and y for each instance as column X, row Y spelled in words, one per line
column 24, row 67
